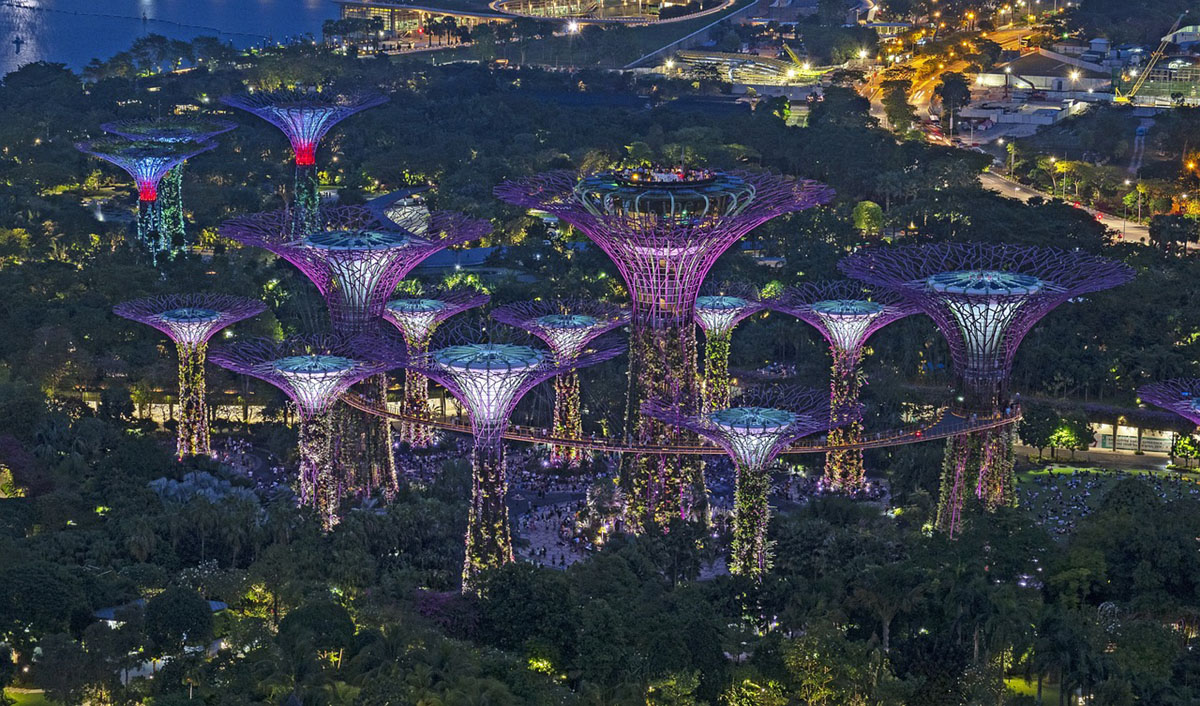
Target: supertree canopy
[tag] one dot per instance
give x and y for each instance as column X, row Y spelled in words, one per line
column 567, row 326
column 488, row 379
column 753, row 436
column 305, row 117
column 718, row 315
column 847, row 314
column 417, row 318
column 190, row 320
column 663, row 229
column 353, row 257
column 1181, row 396
column 984, row 299
column 313, row 371
column 175, row 128
column 147, row 162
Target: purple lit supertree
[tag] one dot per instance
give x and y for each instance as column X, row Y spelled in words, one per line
column 147, row 162
column 488, row 380
column 984, row 299
column 567, row 326
column 305, row 117
column 754, row 434
column 1181, row 396
column 664, row 230
column 717, row 314
column 847, row 314
column 313, row 371
column 175, row 128
column 356, row 260
column 190, row 320
column 417, row 318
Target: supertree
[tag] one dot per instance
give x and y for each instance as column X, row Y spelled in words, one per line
column 175, row 128
column 984, row 298
column 355, row 260
column 718, row 314
column 753, row 436
column 305, row 117
column 313, row 371
column 567, row 326
column 417, row 318
column 190, row 320
column 847, row 314
column 1181, row 396
column 488, row 380
column 664, row 229
column 147, row 162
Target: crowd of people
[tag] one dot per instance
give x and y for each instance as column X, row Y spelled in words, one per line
column 240, row 456
column 1064, row 498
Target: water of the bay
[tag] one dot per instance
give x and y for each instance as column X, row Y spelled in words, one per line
column 74, row 32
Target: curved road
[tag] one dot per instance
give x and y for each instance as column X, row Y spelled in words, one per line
column 1125, row 230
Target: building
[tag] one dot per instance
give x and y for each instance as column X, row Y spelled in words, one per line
column 1048, row 72
column 408, row 20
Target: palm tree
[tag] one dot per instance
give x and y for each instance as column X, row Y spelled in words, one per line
column 885, row 592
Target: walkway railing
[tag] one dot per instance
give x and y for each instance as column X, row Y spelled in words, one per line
column 943, row 425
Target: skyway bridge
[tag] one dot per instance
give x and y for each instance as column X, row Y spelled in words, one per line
column 942, row 424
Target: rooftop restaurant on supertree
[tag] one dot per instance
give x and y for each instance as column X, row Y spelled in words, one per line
column 846, row 313
column 753, row 434
column 663, row 229
column 356, row 259
column 984, row 298
column 312, row 371
column 147, row 162
column 489, row 379
column 417, row 318
column 567, row 326
column 174, row 128
column 717, row 315
column 305, row 117
column 1180, row 395
column 190, row 320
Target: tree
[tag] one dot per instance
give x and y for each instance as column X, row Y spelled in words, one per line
column 1037, row 425
column 899, row 112
column 955, row 94
column 1170, row 229
column 868, row 217
column 677, row 689
column 177, row 617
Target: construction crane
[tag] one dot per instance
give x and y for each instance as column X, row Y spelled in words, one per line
column 1119, row 97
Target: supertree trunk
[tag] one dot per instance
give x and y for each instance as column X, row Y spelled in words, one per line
column 170, row 194
column 379, row 461
column 716, row 370
column 193, row 439
column 306, row 216
column 416, row 404
column 997, row 483
column 844, row 467
column 750, row 555
column 149, row 227
column 318, row 486
column 489, row 539
column 568, row 423
column 961, row 451
column 663, row 368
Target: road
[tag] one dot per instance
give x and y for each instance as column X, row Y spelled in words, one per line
column 1139, row 145
column 1133, row 232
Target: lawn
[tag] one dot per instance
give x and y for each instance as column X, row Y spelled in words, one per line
column 1102, row 480
column 21, row 698
column 1021, row 687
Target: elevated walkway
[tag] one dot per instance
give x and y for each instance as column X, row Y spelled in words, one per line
column 943, row 424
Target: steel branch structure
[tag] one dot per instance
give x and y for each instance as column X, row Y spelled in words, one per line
column 417, row 318
column 313, row 371
column 354, row 258
column 984, row 299
column 488, row 379
column 567, row 326
column 664, row 230
column 718, row 314
column 190, row 320
column 176, row 128
column 847, row 314
column 305, row 117
column 1181, row 396
column 147, row 162
column 753, row 436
